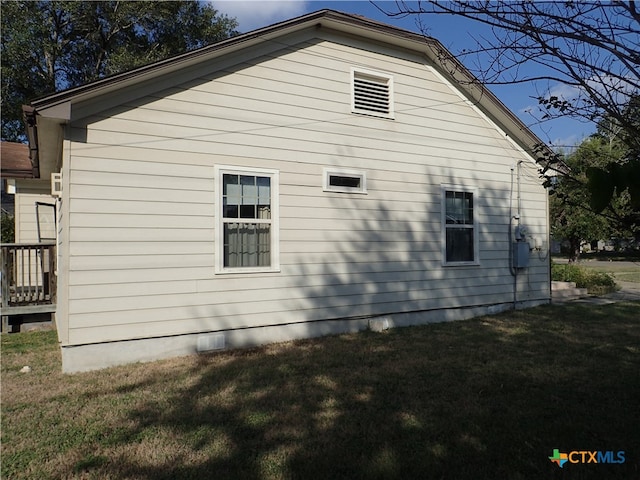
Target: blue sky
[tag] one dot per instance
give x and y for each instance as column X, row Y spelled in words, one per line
column 455, row 33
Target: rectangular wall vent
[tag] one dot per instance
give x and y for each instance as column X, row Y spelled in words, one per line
column 209, row 342
column 372, row 94
column 56, row 184
column 344, row 181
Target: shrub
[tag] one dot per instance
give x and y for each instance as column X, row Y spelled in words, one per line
column 583, row 278
column 8, row 228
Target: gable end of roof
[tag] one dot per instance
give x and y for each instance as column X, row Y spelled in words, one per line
column 58, row 104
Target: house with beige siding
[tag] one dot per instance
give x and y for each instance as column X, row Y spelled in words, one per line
column 28, row 260
column 20, row 181
column 326, row 174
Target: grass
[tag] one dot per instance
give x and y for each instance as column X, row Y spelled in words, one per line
column 627, row 271
column 633, row 277
column 624, row 273
column 481, row 399
column 626, row 256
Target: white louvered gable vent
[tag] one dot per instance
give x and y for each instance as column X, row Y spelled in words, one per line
column 372, row 93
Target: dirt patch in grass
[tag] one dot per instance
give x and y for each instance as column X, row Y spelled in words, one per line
column 481, row 399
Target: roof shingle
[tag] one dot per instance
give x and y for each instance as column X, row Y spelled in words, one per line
column 15, row 160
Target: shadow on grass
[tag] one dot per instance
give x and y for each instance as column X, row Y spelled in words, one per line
column 487, row 398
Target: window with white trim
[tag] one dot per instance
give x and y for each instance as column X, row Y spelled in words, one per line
column 371, row 93
column 344, row 181
column 247, row 221
column 459, row 226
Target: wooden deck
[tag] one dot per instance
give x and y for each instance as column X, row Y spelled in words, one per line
column 28, row 279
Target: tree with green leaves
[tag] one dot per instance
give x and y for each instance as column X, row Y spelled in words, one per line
column 621, row 174
column 572, row 219
column 50, row 46
column 572, row 216
column 7, row 228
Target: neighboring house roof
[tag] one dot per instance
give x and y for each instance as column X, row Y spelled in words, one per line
column 57, row 107
column 15, row 160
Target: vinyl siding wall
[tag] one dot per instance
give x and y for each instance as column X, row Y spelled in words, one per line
column 141, row 198
column 28, row 192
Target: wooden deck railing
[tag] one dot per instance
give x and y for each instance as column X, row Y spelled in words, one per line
column 28, row 278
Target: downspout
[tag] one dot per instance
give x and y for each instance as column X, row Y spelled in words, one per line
column 519, row 198
column 29, row 115
column 518, row 217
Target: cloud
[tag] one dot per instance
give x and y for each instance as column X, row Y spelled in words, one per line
column 567, row 144
column 564, row 92
column 609, row 87
column 256, row 14
column 558, row 90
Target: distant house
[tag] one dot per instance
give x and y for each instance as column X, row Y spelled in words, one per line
column 317, row 176
column 22, row 190
column 14, row 163
column 28, row 279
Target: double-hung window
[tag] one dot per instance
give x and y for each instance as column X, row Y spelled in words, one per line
column 459, row 226
column 247, row 222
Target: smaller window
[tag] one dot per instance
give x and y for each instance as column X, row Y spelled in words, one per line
column 344, row 181
column 459, row 226
column 371, row 93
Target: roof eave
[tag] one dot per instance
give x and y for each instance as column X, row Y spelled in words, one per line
column 30, row 121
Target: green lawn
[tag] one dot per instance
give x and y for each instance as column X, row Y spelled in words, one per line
column 488, row 398
column 628, row 277
column 623, row 273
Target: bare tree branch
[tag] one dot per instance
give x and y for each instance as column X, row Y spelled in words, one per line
column 591, row 46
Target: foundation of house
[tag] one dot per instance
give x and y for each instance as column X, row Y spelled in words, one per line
column 80, row 358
